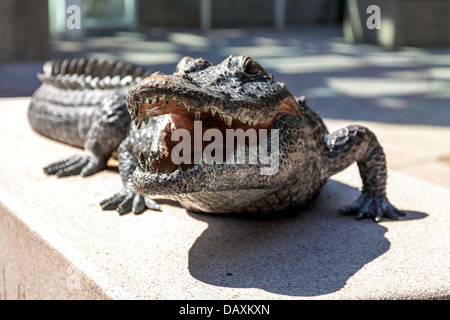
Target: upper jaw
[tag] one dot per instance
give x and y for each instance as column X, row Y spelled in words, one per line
column 160, row 94
column 164, row 94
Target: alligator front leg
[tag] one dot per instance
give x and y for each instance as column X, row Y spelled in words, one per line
column 105, row 135
column 357, row 143
column 128, row 199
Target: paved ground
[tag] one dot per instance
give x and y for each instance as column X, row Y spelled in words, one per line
column 57, row 243
column 403, row 95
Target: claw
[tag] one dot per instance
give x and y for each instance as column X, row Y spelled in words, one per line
column 111, row 203
column 151, row 204
column 73, row 169
column 138, row 205
column 129, row 200
column 93, row 166
column 84, row 164
column 126, row 204
column 372, row 206
column 55, row 167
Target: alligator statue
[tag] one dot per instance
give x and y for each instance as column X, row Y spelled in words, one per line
column 117, row 109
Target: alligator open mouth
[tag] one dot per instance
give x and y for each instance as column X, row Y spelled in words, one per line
column 147, row 101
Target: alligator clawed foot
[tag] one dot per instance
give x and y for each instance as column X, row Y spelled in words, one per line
column 129, row 200
column 372, row 206
column 84, row 164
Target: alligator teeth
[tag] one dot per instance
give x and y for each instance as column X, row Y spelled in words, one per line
column 197, row 115
column 178, row 103
column 187, row 109
column 213, row 111
column 228, row 120
column 141, row 160
column 157, row 99
column 221, row 116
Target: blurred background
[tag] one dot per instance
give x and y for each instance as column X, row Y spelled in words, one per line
column 395, row 78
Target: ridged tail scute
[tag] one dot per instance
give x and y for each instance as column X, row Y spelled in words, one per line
column 83, row 73
column 65, row 106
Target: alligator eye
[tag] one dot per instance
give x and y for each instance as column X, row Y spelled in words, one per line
column 253, row 69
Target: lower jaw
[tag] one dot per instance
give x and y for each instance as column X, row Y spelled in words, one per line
column 220, row 202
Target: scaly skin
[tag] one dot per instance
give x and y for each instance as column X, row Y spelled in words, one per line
column 238, row 94
column 81, row 102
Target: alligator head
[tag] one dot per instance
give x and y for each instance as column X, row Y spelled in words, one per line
column 235, row 94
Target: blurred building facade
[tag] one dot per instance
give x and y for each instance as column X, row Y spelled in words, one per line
column 24, row 31
column 26, row 27
column 104, row 14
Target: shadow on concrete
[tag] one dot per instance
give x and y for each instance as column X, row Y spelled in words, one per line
column 310, row 253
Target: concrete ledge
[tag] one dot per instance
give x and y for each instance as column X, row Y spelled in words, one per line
column 56, row 243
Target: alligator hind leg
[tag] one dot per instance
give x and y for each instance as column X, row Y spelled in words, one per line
column 105, row 135
column 357, row 143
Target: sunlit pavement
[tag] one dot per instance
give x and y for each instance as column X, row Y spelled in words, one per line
column 57, row 243
column 402, row 95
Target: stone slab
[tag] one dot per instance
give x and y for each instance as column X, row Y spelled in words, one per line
column 56, row 242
